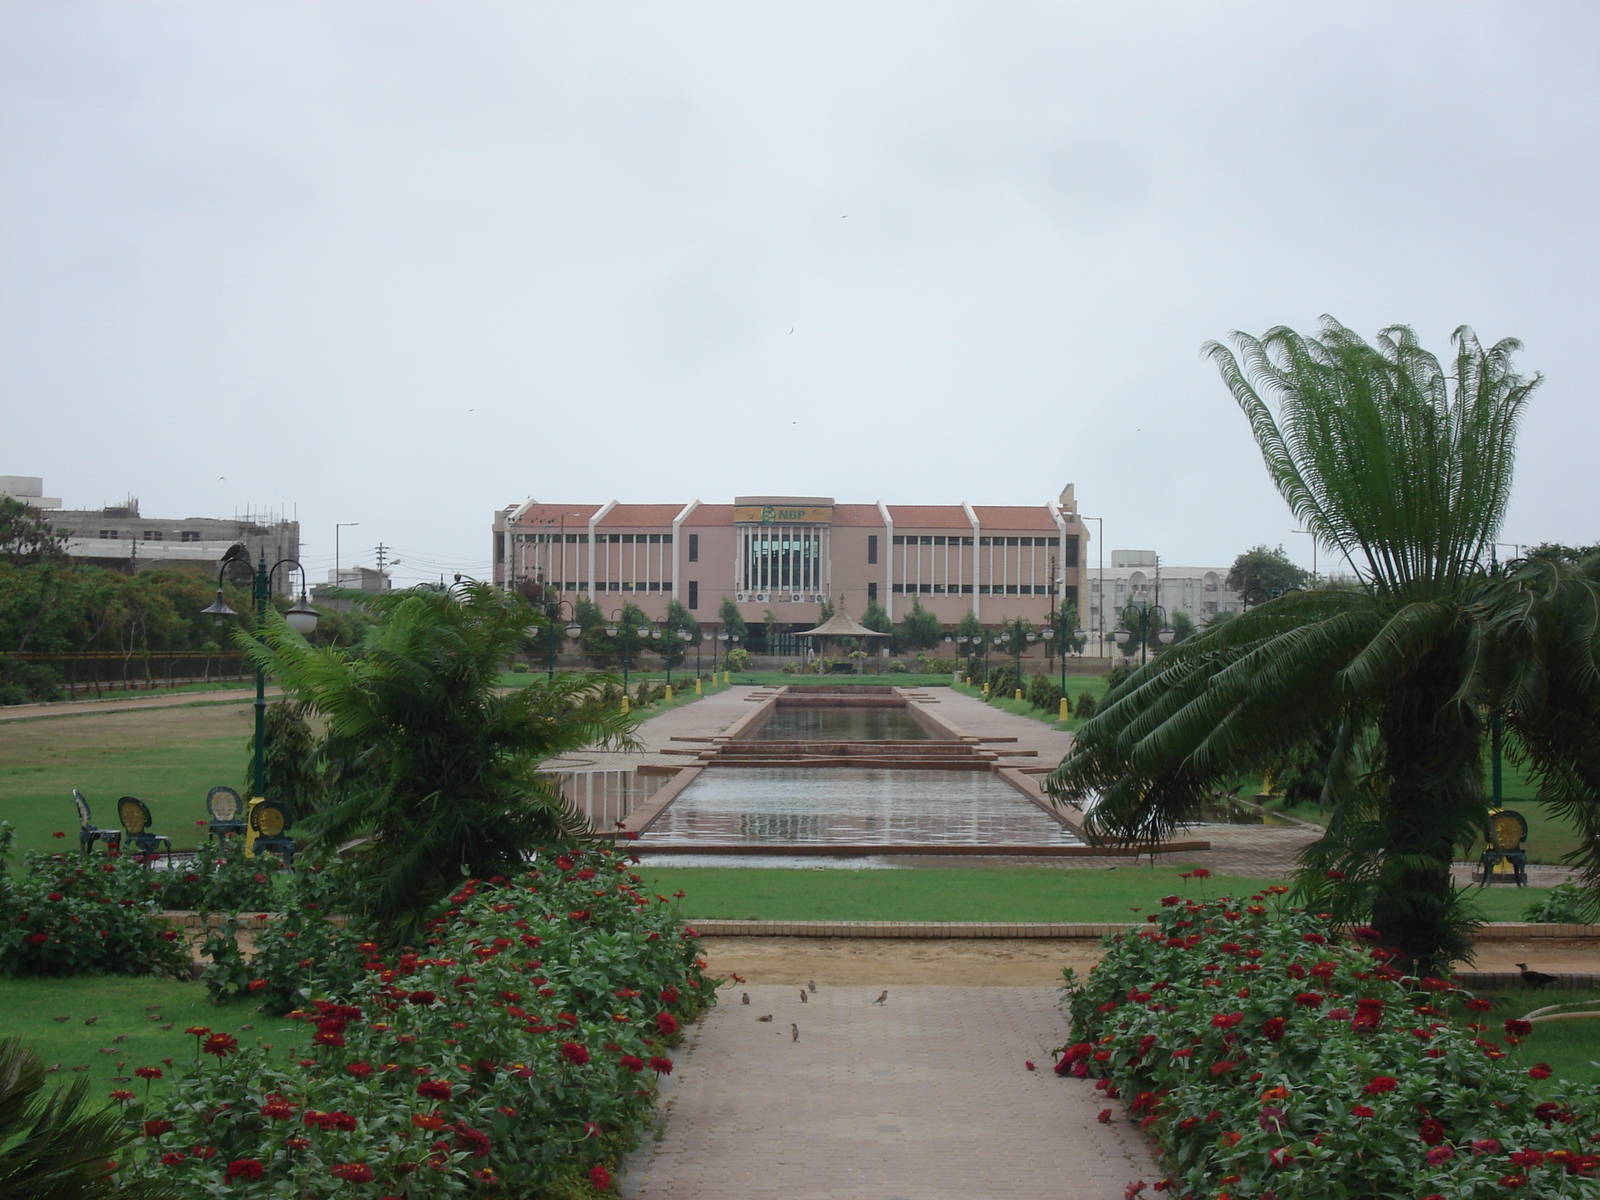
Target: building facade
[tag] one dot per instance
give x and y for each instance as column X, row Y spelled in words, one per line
column 787, row 555
column 1139, row 577
column 119, row 537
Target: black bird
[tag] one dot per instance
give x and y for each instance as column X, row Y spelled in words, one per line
column 802, row 995
column 1535, row 979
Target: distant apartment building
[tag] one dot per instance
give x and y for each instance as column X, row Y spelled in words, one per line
column 121, row 538
column 788, row 554
column 1139, row 577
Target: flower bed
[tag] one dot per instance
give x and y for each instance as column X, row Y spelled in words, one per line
column 515, row 1056
column 1269, row 1060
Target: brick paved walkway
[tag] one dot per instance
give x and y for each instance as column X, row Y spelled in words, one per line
column 925, row 1097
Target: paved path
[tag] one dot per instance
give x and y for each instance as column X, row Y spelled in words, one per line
column 706, row 717
column 925, row 1097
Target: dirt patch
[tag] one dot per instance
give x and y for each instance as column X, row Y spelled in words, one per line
column 955, row 962
column 51, row 741
column 1541, row 954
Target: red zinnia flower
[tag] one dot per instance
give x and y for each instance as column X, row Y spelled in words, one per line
column 172, row 1158
column 1432, row 1132
column 1380, row 1084
column 359, row 1069
column 221, row 1044
column 245, row 1168
column 1272, row 1029
column 423, row 997
column 599, row 1177
column 147, row 1072
column 1360, row 1110
column 276, row 1108
column 575, row 1052
column 667, row 1023
column 1486, row 1146
column 1518, row 1028
column 661, row 1066
column 433, row 1089
column 1477, row 1005
column 353, row 1172
column 1440, row 1154
column 633, row 1064
column 157, row 1127
column 122, row 1094
column 297, row 1143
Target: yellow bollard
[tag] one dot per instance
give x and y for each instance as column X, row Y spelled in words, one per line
column 669, row 693
column 698, row 691
column 1019, row 694
column 1065, row 710
column 624, row 705
column 726, row 679
column 986, row 687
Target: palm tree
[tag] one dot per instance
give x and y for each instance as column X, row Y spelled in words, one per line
column 52, row 1147
column 1403, row 469
column 429, row 753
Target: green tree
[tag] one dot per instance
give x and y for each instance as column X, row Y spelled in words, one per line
column 679, row 620
column 732, row 623
column 919, row 629
column 26, row 535
column 1182, row 625
column 1268, row 572
column 876, row 619
column 436, row 763
column 1556, row 552
column 1404, row 468
column 289, row 759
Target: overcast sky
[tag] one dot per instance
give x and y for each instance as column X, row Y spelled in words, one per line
column 404, row 264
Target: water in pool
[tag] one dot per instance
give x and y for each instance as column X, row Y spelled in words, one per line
column 840, row 725
column 842, row 805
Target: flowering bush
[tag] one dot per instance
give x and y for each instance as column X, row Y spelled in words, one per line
column 1269, row 1059
column 509, row 1058
column 220, row 877
column 62, row 915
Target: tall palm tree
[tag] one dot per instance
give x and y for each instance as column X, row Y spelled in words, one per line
column 1402, row 468
column 429, row 753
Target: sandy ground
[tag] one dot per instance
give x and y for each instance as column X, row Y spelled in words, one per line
column 1019, row 962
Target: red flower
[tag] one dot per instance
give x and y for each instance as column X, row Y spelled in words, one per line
column 147, row 1072
column 1477, row 1005
column 475, row 1140
column 38, row 939
column 1309, row 999
column 172, row 1158
column 633, row 1064
column 359, row 1069
column 575, row 1052
column 198, row 1030
column 1223, row 1067
column 1527, row 1158
column 1380, row 1084
column 1440, row 1155
column 1360, row 1110
column 1226, row 1020
column 1432, row 1132
column 54, row 897
column 258, row 985
column 1539, row 1071
column 599, row 1177
column 1518, row 1028
column 661, row 1066
column 221, row 1044
column 157, row 1127
column 1486, row 1146
column 352, row 1172
column 667, row 1023
column 276, row 1108
column 58, row 833
column 427, row 1120
column 1200, row 873
column 423, row 997
column 1272, row 1029
column 122, row 1095
column 434, row 1089
column 245, row 1168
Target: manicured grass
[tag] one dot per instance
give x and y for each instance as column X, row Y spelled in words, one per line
column 964, row 894
column 1570, row 1047
column 887, row 679
column 122, row 1006
column 1077, row 685
column 168, row 757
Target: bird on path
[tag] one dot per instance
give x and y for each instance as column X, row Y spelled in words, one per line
column 153, row 1017
column 768, row 1017
column 61, row 1018
column 90, row 1020
column 168, row 1025
column 802, row 995
column 882, row 996
column 1535, row 979
column 744, row 997
column 794, row 1032
column 121, row 1037
column 812, row 986
column 151, row 1007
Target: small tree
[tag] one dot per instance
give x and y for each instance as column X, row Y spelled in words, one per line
column 732, row 623
column 26, row 536
column 1269, row 571
column 679, row 619
column 919, row 629
column 289, row 758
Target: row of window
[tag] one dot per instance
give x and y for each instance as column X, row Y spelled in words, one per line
column 965, row 589
column 154, row 535
column 935, row 539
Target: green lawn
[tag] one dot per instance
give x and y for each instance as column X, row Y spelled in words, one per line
column 168, row 757
column 965, row 894
column 1077, row 685
column 122, row 1007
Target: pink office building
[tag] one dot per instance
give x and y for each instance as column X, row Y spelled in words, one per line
column 787, row 554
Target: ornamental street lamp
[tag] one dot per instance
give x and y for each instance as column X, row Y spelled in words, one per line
column 301, row 618
column 552, row 611
column 628, row 631
column 1020, row 636
column 673, row 635
column 1148, row 618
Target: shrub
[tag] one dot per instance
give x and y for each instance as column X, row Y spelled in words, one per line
column 737, row 659
column 1044, row 693
column 1003, row 681
column 220, row 877
column 937, row 666
column 1564, row 905
column 897, row 667
column 519, row 668
column 1085, row 706
column 1267, row 1058
column 62, row 915
column 512, row 1057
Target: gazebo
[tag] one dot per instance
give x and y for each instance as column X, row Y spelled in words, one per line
column 841, row 625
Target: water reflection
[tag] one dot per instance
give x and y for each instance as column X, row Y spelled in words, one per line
column 854, row 805
column 606, row 797
column 840, row 725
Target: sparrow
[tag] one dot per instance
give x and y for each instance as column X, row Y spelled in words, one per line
column 90, row 1020
column 811, row 986
column 882, row 996
column 108, row 1049
column 794, row 1033
column 85, row 1067
column 153, row 1017
column 52, row 1069
column 168, row 1025
column 744, row 997
column 768, row 1017
column 121, row 1037
column 151, row 1007
column 802, row 995
column 61, row 1018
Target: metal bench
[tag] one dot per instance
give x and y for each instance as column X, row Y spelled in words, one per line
column 88, row 832
column 269, row 823
column 134, row 814
column 1506, row 832
column 226, row 810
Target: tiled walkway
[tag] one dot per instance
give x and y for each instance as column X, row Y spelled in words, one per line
column 924, row 1097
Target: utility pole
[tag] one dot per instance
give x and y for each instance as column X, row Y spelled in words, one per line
column 382, row 552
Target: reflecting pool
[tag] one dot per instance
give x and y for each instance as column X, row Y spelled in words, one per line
column 840, row 725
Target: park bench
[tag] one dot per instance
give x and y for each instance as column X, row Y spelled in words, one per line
column 134, row 814
column 270, row 821
column 88, row 832
column 226, row 810
column 1506, row 832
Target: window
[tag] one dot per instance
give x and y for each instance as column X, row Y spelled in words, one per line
column 899, row 539
column 896, row 588
column 694, row 584
column 939, row 541
column 626, row 537
column 190, row 535
column 1072, row 553
column 655, row 539
column 872, row 593
column 694, row 553
column 872, row 548
column 152, row 535
column 108, row 533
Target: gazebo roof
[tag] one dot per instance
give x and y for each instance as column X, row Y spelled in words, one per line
column 841, row 624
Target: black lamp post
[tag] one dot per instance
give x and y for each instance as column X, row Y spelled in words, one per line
column 573, row 630
column 302, row 618
column 1144, row 618
column 628, row 631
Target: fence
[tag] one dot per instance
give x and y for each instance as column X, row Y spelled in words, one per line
column 100, row 671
